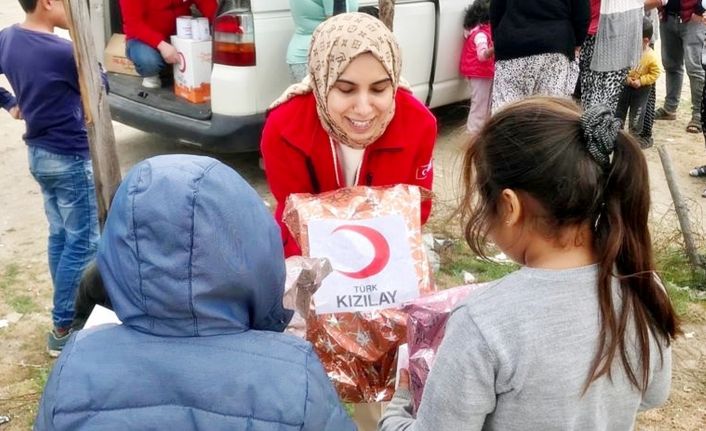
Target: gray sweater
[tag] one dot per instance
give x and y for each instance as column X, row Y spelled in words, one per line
column 516, row 356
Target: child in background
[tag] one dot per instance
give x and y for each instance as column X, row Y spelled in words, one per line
column 579, row 338
column 42, row 72
column 638, row 86
column 478, row 62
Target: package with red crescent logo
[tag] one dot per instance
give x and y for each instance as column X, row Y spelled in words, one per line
column 426, row 325
column 359, row 348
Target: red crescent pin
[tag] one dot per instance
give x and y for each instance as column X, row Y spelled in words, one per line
column 380, row 246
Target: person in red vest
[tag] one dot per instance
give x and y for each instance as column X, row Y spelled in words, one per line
column 148, row 25
column 351, row 121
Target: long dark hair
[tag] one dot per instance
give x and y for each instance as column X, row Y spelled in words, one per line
column 538, row 146
column 477, row 13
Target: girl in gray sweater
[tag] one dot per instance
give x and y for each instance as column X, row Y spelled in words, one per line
column 578, row 339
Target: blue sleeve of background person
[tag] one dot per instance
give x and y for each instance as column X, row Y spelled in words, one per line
column 328, row 6
column 323, row 411
column 104, row 77
column 45, row 413
column 7, row 100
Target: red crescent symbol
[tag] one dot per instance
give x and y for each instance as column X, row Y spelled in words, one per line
column 182, row 63
column 380, row 245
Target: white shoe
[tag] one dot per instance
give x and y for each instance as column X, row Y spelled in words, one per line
column 152, row 82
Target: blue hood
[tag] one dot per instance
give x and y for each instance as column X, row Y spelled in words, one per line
column 189, row 249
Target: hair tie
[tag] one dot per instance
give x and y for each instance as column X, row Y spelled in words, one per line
column 600, row 130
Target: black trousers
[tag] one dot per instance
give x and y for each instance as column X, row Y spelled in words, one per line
column 634, row 101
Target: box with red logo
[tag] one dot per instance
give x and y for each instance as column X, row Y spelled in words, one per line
column 115, row 59
column 192, row 75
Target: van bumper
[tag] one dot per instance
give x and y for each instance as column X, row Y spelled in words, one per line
column 220, row 134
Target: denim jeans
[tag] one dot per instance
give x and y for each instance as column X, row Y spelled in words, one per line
column 70, row 205
column 682, row 43
column 148, row 61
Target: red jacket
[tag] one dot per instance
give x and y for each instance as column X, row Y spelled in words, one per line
column 471, row 66
column 298, row 157
column 153, row 21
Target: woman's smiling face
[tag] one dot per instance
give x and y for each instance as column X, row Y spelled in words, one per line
column 361, row 99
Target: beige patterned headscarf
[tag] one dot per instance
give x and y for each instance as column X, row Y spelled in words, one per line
column 335, row 43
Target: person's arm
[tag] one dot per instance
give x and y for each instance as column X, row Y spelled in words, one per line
column 208, row 8
column 323, row 410
column 422, row 173
column 581, row 19
column 483, row 50
column 328, row 7
column 460, row 390
column 497, row 11
column 134, row 23
column 660, row 382
column 7, row 100
column 653, row 72
column 286, row 171
column 651, row 4
column 700, row 7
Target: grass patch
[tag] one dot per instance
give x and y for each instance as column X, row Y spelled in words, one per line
column 22, row 304
column 459, row 258
column 9, row 276
column 681, row 298
column 39, row 377
column 672, row 265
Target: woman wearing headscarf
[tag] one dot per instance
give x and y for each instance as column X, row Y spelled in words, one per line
column 535, row 46
column 350, row 122
column 307, row 15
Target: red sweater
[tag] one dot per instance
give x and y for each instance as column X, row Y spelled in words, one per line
column 153, row 21
column 298, row 156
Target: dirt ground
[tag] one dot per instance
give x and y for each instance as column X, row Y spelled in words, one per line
column 25, row 287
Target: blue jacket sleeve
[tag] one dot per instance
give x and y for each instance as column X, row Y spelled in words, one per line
column 7, row 100
column 323, row 411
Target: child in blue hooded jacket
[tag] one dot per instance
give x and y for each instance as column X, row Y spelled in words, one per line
column 193, row 265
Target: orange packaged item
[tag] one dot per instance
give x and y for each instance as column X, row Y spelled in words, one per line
column 372, row 237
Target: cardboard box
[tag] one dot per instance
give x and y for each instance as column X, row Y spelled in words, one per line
column 115, row 59
column 192, row 76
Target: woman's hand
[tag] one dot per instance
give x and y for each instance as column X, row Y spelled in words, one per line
column 168, row 53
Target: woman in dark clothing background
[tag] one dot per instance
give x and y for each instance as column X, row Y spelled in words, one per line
column 535, row 44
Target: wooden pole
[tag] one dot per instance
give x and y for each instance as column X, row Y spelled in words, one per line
column 680, row 207
column 101, row 137
column 98, row 24
column 387, row 12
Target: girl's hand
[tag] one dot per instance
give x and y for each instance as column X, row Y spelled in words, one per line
column 404, row 380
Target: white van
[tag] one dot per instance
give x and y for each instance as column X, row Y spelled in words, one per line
column 249, row 70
